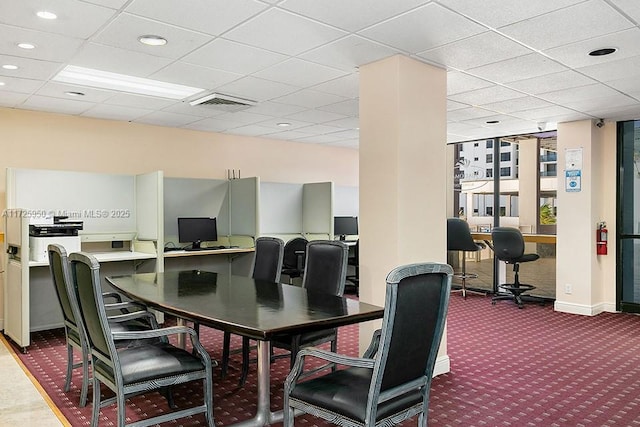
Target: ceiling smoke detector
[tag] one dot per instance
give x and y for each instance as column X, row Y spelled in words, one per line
column 223, row 102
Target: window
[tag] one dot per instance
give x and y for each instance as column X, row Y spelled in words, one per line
column 505, row 157
column 475, row 159
column 489, row 211
column 504, row 144
column 489, row 173
column 505, row 171
column 489, row 158
column 475, row 144
column 490, row 143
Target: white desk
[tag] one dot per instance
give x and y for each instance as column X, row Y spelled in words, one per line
column 229, row 251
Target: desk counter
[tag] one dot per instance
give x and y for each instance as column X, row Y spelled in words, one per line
column 535, row 238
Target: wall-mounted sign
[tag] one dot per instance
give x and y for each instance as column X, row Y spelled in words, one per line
column 573, row 159
column 572, row 179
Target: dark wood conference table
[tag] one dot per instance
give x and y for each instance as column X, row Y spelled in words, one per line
column 247, row 307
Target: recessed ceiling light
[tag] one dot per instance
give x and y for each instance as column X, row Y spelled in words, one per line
column 284, row 125
column 151, row 40
column 603, row 51
column 1, row 83
column 10, row 67
column 121, row 82
column 26, row 46
column 46, row 15
column 74, row 93
column 492, row 122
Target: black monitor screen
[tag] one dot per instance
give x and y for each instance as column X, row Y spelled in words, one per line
column 345, row 226
column 196, row 230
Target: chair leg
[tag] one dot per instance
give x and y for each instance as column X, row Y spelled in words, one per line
column 334, row 349
column 295, row 348
column 120, row 400
column 95, row 411
column 245, row 361
column 167, row 392
column 67, row 383
column 208, row 400
column 225, row 354
column 84, row 391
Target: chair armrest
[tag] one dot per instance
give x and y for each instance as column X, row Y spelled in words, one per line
column 125, row 306
column 113, row 295
column 371, row 351
column 118, row 318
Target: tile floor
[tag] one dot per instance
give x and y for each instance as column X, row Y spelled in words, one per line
column 21, row 403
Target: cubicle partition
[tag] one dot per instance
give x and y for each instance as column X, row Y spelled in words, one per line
column 317, row 211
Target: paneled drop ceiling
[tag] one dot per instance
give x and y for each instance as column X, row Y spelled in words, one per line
column 523, row 63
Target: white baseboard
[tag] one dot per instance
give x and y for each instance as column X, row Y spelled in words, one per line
column 443, row 365
column 583, row 309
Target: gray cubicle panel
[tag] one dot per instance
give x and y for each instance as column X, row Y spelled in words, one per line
column 244, row 201
column 194, row 197
column 104, row 202
column 345, row 201
column 149, row 206
column 280, row 208
column 317, row 208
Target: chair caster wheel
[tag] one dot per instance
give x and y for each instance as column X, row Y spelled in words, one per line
column 493, row 303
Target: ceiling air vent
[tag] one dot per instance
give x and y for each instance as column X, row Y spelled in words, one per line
column 218, row 101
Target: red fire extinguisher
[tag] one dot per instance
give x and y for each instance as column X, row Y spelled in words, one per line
column 601, row 239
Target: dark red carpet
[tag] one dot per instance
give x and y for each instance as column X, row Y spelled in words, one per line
column 509, row 367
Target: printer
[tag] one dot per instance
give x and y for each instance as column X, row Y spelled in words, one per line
column 61, row 231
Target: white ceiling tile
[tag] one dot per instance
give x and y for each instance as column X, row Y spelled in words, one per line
column 165, row 118
column 347, row 86
column 551, row 82
column 56, row 105
column 628, row 85
column 234, row 57
column 497, row 13
column 518, row 104
column 320, row 129
column 475, row 51
column 207, row 16
column 458, row 82
column 321, row 139
column 453, row 105
column 272, row 123
column 521, row 67
column 346, row 134
column 182, row 107
column 602, row 103
column 113, row 4
column 28, row 68
column 275, row 109
column 289, row 135
column 619, row 113
column 288, row 33
column 316, row 116
column 209, row 125
column 310, row 99
column 350, row 15
column 468, row 114
column 423, row 28
column 628, row 67
column 581, row 93
column 123, row 32
column 486, row 95
column 582, row 21
column 348, row 108
column 48, row 46
column 115, row 112
column 257, row 89
column 546, row 113
column 346, row 123
column 631, row 8
column 194, row 75
column 115, row 60
column 139, row 101
column 12, row 99
column 242, row 118
column 251, row 130
column 299, row 73
column 576, row 55
column 349, row 53
column 75, row 18
column 14, row 84
column 57, row 90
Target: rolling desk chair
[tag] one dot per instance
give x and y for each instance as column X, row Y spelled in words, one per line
column 293, row 261
column 459, row 239
column 508, row 246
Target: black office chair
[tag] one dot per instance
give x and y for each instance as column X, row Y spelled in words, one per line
column 391, row 382
column 293, row 262
column 267, row 265
column 459, row 239
column 129, row 316
column 354, row 261
column 325, row 271
column 508, row 246
column 129, row 371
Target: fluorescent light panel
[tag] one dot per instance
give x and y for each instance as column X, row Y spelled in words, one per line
column 123, row 83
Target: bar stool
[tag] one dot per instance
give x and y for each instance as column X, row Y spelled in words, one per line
column 459, row 239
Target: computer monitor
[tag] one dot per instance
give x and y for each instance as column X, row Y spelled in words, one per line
column 197, row 230
column 345, row 226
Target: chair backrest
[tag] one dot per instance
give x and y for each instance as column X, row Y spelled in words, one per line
column 85, row 272
column 290, row 248
column 417, row 299
column 508, row 243
column 459, row 236
column 325, row 266
column 65, row 292
column 267, row 262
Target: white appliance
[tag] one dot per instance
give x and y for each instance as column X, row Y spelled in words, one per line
column 38, row 246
